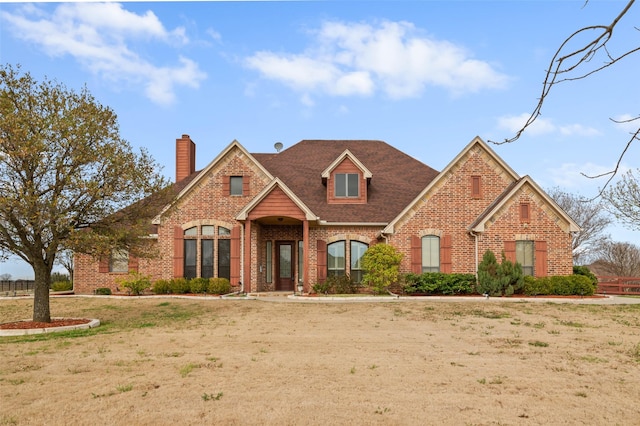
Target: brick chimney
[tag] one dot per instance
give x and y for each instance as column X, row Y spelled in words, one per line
column 185, row 157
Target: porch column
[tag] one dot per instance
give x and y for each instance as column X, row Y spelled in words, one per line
column 305, row 249
column 247, row 257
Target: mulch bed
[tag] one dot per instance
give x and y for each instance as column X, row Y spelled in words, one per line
column 58, row 322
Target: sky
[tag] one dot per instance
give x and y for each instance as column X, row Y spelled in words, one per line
column 424, row 76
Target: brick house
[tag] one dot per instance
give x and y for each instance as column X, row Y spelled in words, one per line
column 271, row 221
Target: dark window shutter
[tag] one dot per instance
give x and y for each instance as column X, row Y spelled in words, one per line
column 541, row 259
column 235, row 255
column 416, row 255
column 445, row 254
column 322, row 260
column 226, row 185
column 103, row 266
column 178, row 252
column 245, row 185
column 510, row 250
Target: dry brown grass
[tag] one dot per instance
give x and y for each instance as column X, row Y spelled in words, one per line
column 174, row 361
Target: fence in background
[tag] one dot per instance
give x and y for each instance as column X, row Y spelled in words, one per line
column 619, row 285
column 10, row 286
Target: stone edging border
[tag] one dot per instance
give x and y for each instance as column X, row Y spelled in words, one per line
column 23, row 332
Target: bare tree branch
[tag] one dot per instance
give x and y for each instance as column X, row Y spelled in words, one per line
column 562, row 65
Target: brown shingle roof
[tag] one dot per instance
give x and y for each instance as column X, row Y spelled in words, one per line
column 397, row 177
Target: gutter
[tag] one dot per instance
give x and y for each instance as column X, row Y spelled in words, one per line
column 475, row 236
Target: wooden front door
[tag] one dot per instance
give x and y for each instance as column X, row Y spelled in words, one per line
column 284, row 266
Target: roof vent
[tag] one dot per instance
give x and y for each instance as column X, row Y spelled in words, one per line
column 278, row 146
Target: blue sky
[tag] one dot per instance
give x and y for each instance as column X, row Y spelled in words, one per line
column 424, row 76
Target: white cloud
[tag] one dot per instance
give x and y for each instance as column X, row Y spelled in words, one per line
column 347, row 59
column 96, row 34
column 543, row 126
column 572, row 175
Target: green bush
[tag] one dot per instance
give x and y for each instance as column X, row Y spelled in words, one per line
column 179, row 286
column 341, row 284
column 583, row 270
column 103, row 291
column 219, row 286
column 382, row 265
column 161, row 287
column 62, row 286
column 198, row 285
column 559, row 285
column 439, row 283
column 496, row 279
column 322, row 288
column 135, row 283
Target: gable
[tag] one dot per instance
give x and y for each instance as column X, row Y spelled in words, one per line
column 452, row 191
column 276, row 203
column 540, row 207
column 214, row 181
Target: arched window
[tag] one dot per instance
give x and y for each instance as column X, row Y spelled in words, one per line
column 224, row 253
column 430, row 253
column 336, row 259
column 190, row 252
column 357, row 251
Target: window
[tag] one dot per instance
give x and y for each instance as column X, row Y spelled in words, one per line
column 119, row 261
column 335, row 259
column 476, row 189
column 223, row 232
column 347, row 185
column 524, row 256
column 206, row 250
column 269, row 250
column 525, row 212
column 235, row 185
column 430, row 253
column 357, row 251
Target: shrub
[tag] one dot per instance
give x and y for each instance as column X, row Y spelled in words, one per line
column 62, row 286
column 103, row 291
column 322, row 288
column 198, row 285
column 488, row 281
column 219, row 286
column 179, row 286
column 560, row 285
column 382, row 265
column 583, row 270
column 161, row 287
column 439, row 283
column 135, row 283
column 496, row 279
column 342, row 284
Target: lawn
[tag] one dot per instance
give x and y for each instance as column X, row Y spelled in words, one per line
column 179, row 361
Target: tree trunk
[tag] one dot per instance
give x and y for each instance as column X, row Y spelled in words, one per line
column 41, row 310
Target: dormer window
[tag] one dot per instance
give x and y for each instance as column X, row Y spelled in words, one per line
column 347, row 185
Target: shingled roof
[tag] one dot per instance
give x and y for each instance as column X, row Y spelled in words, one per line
column 397, row 178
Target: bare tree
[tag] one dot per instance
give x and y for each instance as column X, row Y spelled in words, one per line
column 571, row 64
column 624, row 200
column 5, row 277
column 592, row 219
column 65, row 259
column 621, row 259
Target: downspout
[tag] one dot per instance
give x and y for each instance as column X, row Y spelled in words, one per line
column 242, row 259
column 475, row 236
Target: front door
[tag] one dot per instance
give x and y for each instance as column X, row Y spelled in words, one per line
column 284, row 266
